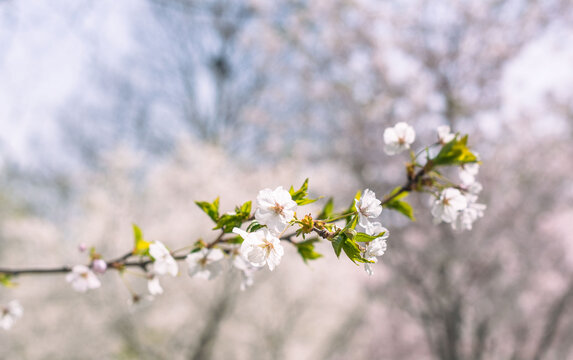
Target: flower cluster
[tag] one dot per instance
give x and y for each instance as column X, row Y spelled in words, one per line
column 369, row 207
column 453, row 203
column 458, row 205
column 248, row 241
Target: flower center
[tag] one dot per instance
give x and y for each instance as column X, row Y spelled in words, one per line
column 446, row 201
column 84, row 275
column 203, row 261
column 401, row 140
column 267, row 246
column 278, row 209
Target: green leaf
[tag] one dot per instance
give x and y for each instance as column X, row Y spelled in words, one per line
column 350, row 247
column 401, row 206
column 211, row 209
column 300, row 195
column 229, row 221
column 396, row 190
column 306, row 250
column 337, row 243
column 245, row 209
column 6, row 280
column 254, row 226
column 352, row 206
column 327, row 210
column 363, row 237
column 353, row 252
column 305, row 201
column 235, row 240
column 455, row 152
column 140, row 245
column 351, row 224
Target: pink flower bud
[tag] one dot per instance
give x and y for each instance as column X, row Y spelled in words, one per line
column 82, row 247
column 99, row 266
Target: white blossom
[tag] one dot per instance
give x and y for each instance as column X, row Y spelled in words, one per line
column 445, row 135
column 446, row 207
column 474, row 188
column 260, row 247
column 469, row 214
column 375, row 228
column 10, row 313
column 153, row 286
column 82, row 278
column 163, row 262
column 205, row 263
column 468, row 172
column 368, row 208
column 247, row 270
column 275, row 208
column 398, row 138
column 376, row 247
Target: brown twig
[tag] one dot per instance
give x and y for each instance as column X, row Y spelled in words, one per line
column 122, row 262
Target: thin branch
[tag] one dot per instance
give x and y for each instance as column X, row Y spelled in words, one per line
column 118, row 264
column 122, row 261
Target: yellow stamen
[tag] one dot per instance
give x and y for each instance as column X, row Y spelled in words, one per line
column 278, row 209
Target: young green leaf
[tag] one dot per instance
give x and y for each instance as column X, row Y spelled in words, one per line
column 327, row 210
column 305, row 201
column 228, row 222
column 352, row 206
column 306, row 250
column 362, row 237
column 395, row 191
column 401, row 206
column 6, row 280
column 140, row 245
column 351, row 224
column 231, row 220
column 245, row 209
column 235, row 240
column 353, row 252
column 455, row 152
column 211, row 209
column 337, row 243
column 254, row 226
column 300, row 195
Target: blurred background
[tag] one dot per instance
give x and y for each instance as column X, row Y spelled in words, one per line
column 113, row 113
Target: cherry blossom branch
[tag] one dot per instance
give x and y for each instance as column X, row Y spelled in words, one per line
column 362, row 238
column 118, row 264
column 122, row 261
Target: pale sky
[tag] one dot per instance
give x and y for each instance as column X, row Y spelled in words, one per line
column 46, row 48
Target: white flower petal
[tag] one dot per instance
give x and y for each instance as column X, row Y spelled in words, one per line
column 82, row 278
column 154, row 286
column 275, row 209
column 398, row 138
column 163, row 262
